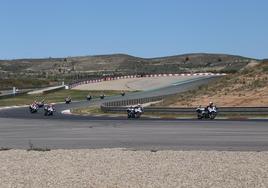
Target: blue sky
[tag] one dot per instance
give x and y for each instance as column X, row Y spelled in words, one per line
column 145, row 28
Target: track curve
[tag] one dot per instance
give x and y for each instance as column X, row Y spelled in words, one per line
column 18, row 126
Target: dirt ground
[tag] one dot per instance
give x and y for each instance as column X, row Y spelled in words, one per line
column 245, row 88
column 124, row 168
column 248, row 99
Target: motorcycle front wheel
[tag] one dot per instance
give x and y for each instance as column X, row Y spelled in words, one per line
column 213, row 115
column 199, row 116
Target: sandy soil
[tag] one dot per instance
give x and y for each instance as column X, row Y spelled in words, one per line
column 247, row 99
column 121, row 168
column 134, row 84
column 241, row 89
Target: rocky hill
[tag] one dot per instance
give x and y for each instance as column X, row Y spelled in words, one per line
column 123, row 64
column 87, row 67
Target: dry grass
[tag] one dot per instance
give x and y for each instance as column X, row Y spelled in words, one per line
column 57, row 96
column 246, row 88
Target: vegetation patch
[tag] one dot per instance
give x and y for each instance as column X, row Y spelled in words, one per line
column 74, row 69
column 52, row 97
column 6, row 84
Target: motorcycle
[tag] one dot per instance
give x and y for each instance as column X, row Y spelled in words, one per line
column 207, row 113
column 33, row 108
column 102, row 96
column 49, row 110
column 41, row 104
column 68, row 100
column 89, row 97
column 134, row 112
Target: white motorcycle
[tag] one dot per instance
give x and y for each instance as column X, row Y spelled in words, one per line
column 134, row 112
column 33, row 108
column 207, row 113
column 49, row 110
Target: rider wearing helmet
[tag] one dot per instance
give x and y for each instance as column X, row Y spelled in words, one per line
column 139, row 107
column 51, row 107
column 210, row 104
column 34, row 104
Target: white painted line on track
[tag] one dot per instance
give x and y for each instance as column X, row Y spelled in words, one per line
column 66, row 111
column 9, row 107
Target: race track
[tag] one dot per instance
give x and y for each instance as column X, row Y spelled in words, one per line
column 18, row 127
column 146, row 134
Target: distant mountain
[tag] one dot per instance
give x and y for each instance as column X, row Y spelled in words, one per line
column 120, row 64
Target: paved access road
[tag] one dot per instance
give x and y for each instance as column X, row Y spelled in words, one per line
column 18, row 127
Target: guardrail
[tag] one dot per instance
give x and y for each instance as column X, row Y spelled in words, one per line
column 121, row 106
column 191, row 111
column 142, row 100
column 8, row 95
column 132, row 101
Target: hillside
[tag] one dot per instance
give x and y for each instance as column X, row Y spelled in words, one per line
column 124, row 64
column 248, row 87
column 71, row 69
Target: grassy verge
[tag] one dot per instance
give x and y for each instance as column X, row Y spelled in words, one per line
column 25, row 83
column 57, row 96
column 94, row 110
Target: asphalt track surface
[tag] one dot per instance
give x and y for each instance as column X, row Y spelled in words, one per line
column 18, row 128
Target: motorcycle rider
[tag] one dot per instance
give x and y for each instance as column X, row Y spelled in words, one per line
column 102, row 96
column 210, row 106
column 135, row 111
column 34, row 104
column 41, row 103
column 33, row 107
column 68, row 100
column 138, row 108
column 89, row 97
column 50, row 107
